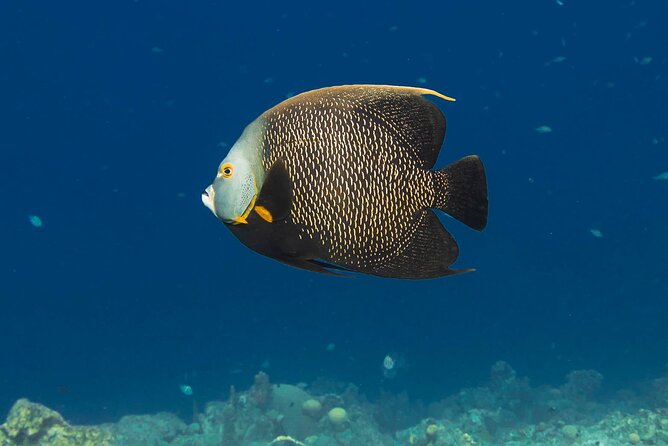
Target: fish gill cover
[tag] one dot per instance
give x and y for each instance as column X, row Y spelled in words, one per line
column 124, row 302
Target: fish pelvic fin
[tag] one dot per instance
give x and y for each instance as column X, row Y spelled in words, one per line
column 461, row 191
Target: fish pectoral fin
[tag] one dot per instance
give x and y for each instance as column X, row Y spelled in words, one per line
column 275, row 200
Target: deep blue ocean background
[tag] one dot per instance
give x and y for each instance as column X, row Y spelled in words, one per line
column 115, row 115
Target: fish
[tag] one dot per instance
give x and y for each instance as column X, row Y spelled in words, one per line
column 388, row 362
column 339, row 180
column 186, row 389
column 391, row 365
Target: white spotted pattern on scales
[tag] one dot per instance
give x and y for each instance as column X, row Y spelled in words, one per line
column 346, row 183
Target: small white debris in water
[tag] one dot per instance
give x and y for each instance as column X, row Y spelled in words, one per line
column 330, row 347
column 157, row 50
column 421, row 80
column 662, row 176
column 596, row 233
column 35, row 221
column 543, row 129
column 643, row 60
column 557, row 59
column 394, row 28
column 560, row 3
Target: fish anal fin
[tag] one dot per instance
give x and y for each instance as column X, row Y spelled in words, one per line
column 429, row 253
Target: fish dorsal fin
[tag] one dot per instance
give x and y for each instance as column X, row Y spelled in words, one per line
column 416, row 124
column 275, row 199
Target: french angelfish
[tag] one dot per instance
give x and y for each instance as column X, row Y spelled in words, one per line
column 340, row 179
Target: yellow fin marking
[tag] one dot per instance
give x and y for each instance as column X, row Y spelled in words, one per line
column 435, row 93
column 240, row 220
column 413, row 90
column 264, row 213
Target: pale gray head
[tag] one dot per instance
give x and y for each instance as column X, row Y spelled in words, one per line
column 238, row 181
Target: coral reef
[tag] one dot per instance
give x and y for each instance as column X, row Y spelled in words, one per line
column 505, row 411
column 33, row 424
column 260, row 393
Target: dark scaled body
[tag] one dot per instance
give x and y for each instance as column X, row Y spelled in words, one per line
column 348, row 184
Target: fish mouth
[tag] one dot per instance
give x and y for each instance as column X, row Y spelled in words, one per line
column 207, row 198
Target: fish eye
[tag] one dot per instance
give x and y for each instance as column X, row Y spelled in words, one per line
column 226, row 170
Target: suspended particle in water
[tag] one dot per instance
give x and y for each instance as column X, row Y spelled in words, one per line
column 35, row 220
column 543, row 129
column 596, row 233
column 557, row 59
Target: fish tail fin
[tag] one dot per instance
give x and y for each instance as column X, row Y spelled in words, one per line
column 461, row 191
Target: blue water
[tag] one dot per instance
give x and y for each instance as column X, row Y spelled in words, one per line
column 115, row 115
